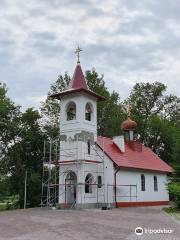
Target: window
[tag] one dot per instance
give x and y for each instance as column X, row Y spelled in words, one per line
column 88, row 112
column 89, row 147
column 143, row 188
column 88, row 183
column 99, row 181
column 71, row 111
column 126, row 135
column 155, row 184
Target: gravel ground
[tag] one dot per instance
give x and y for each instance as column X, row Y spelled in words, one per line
column 43, row 224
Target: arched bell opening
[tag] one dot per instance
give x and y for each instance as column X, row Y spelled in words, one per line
column 89, row 112
column 71, row 111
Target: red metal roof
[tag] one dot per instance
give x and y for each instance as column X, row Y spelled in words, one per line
column 145, row 159
column 78, row 84
column 78, row 80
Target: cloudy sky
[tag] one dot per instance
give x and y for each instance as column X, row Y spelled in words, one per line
column 128, row 41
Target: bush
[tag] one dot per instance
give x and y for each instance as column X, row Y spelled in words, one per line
column 174, row 191
column 12, row 202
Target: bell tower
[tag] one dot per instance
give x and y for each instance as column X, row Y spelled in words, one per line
column 78, row 116
column 78, row 158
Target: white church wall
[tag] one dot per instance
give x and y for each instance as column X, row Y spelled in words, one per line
column 105, row 170
column 97, row 194
column 106, row 193
column 127, row 177
column 81, row 171
column 109, row 179
column 108, row 169
column 78, row 170
column 77, row 150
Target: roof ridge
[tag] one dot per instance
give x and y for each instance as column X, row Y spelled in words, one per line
column 105, row 137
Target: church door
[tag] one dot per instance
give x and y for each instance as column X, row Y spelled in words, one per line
column 70, row 187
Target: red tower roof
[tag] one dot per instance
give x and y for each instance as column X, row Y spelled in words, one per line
column 78, row 80
column 78, row 84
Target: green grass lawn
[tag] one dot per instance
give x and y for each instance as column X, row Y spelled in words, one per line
column 177, row 215
column 3, row 206
column 173, row 212
column 9, row 203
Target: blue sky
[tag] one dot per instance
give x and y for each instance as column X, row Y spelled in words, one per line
column 127, row 41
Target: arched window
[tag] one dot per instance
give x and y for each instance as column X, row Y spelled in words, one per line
column 88, row 183
column 143, row 188
column 88, row 112
column 155, row 184
column 71, row 111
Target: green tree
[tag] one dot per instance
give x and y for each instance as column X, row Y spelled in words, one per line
column 26, row 155
column 9, row 118
column 146, row 99
column 149, row 99
column 9, row 126
column 110, row 113
column 160, row 137
column 157, row 115
column 176, row 154
column 171, row 110
column 50, row 109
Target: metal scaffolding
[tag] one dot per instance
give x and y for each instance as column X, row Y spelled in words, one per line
column 52, row 156
column 50, row 176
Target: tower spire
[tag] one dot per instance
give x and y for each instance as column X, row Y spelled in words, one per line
column 78, row 83
column 78, row 50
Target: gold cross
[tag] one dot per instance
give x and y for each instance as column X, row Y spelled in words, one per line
column 78, row 50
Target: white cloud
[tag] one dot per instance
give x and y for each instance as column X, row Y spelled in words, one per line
column 127, row 41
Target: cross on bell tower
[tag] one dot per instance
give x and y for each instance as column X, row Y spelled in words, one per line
column 78, row 50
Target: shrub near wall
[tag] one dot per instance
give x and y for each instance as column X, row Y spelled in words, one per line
column 174, row 191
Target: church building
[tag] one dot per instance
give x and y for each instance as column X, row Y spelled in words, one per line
column 97, row 171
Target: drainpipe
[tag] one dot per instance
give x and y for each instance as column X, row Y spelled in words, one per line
column 115, row 189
